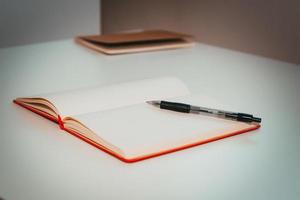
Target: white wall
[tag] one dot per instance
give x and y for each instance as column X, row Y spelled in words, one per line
column 32, row 21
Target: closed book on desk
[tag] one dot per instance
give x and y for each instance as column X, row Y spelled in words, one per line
column 134, row 42
column 117, row 120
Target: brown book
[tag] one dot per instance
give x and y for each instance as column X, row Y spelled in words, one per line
column 134, row 42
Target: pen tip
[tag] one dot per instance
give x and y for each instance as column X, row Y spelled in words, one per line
column 154, row 103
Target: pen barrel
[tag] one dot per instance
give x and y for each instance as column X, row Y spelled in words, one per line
column 178, row 107
column 185, row 108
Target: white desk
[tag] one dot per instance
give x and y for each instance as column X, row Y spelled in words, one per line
column 39, row 161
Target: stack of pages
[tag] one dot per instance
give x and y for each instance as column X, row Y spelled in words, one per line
column 135, row 42
column 117, row 119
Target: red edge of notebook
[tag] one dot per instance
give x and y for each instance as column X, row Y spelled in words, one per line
column 139, row 158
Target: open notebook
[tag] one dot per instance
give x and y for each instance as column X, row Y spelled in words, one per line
column 117, row 120
column 134, row 42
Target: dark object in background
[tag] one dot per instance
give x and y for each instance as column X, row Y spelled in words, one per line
column 269, row 28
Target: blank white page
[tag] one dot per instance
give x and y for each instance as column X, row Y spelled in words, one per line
column 142, row 129
column 93, row 99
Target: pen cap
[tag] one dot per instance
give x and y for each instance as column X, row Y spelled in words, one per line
column 256, row 119
column 243, row 117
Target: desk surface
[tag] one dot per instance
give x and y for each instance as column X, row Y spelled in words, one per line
column 39, row 161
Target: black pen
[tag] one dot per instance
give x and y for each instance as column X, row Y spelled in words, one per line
column 186, row 108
